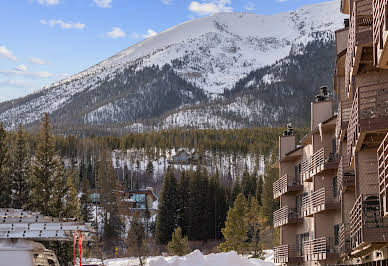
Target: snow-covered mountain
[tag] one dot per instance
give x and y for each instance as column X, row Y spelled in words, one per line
column 206, row 57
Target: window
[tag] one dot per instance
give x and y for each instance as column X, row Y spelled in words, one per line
column 336, row 234
column 299, row 203
column 139, row 200
column 335, row 187
column 298, row 169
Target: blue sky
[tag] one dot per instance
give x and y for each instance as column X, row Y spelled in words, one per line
column 42, row 41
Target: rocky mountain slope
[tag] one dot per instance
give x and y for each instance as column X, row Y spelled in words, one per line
column 225, row 70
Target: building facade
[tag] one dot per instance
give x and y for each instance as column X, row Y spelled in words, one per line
column 333, row 186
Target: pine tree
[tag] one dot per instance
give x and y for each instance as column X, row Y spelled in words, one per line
column 248, row 184
column 179, row 245
column 252, row 218
column 166, row 220
column 236, row 189
column 20, row 174
column 5, row 196
column 199, row 206
column 136, row 237
column 86, row 205
column 236, row 229
column 269, row 205
column 259, row 189
column 109, row 186
column 45, row 169
column 150, row 168
column 184, row 210
column 72, row 202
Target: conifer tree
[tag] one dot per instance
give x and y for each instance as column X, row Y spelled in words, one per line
column 5, row 197
column 20, row 174
column 150, row 168
column 248, row 184
column 252, row 218
column 166, row 220
column 86, row 205
column 236, row 229
column 269, row 205
column 109, row 186
column 259, row 189
column 236, row 189
column 199, row 206
column 136, row 238
column 179, row 245
column 46, row 169
column 72, row 202
column 183, row 210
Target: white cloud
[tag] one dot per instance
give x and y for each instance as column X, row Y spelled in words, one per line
column 48, row 2
column 103, row 3
column 250, row 6
column 21, row 68
column 166, row 2
column 22, row 71
column 17, row 83
column 281, row 1
column 4, row 52
column 135, row 35
column 116, row 33
column 150, row 33
column 210, row 7
column 62, row 24
column 37, row 61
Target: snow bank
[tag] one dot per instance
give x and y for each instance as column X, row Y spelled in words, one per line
column 196, row 258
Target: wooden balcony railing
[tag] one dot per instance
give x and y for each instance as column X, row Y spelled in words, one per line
column 287, row 254
column 379, row 30
column 285, row 184
column 286, row 215
column 344, row 111
column 319, row 200
column 367, row 224
column 319, row 249
column 344, row 239
column 321, row 160
column 360, row 34
column 369, row 114
column 382, row 155
column 345, row 175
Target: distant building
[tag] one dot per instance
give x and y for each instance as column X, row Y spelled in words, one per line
column 185, row 157
column 140, row 200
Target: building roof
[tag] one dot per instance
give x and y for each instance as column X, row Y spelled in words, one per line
column 307, row 139
column 143, row 191
column 288, row 155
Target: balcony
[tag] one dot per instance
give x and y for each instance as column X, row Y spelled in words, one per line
column 319, row 249
column 369, row 115
column 345, row 175
column 318, row 201
column 382, row 155
column 360, row 36
column 380, row 34
column 287, row 254
column 286, row 184
column 285, row 216
column 321, row 160
column 344, row 111
column 344, row 240
column 367, row 225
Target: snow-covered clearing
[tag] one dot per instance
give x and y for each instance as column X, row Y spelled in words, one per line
column 196, row 258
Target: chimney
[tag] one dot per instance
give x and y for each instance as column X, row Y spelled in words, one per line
column 322, row 108
column 287, row 141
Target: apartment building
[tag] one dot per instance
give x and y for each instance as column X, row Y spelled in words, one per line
column 333, row 186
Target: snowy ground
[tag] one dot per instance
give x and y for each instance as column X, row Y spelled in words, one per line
column 196, row 258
